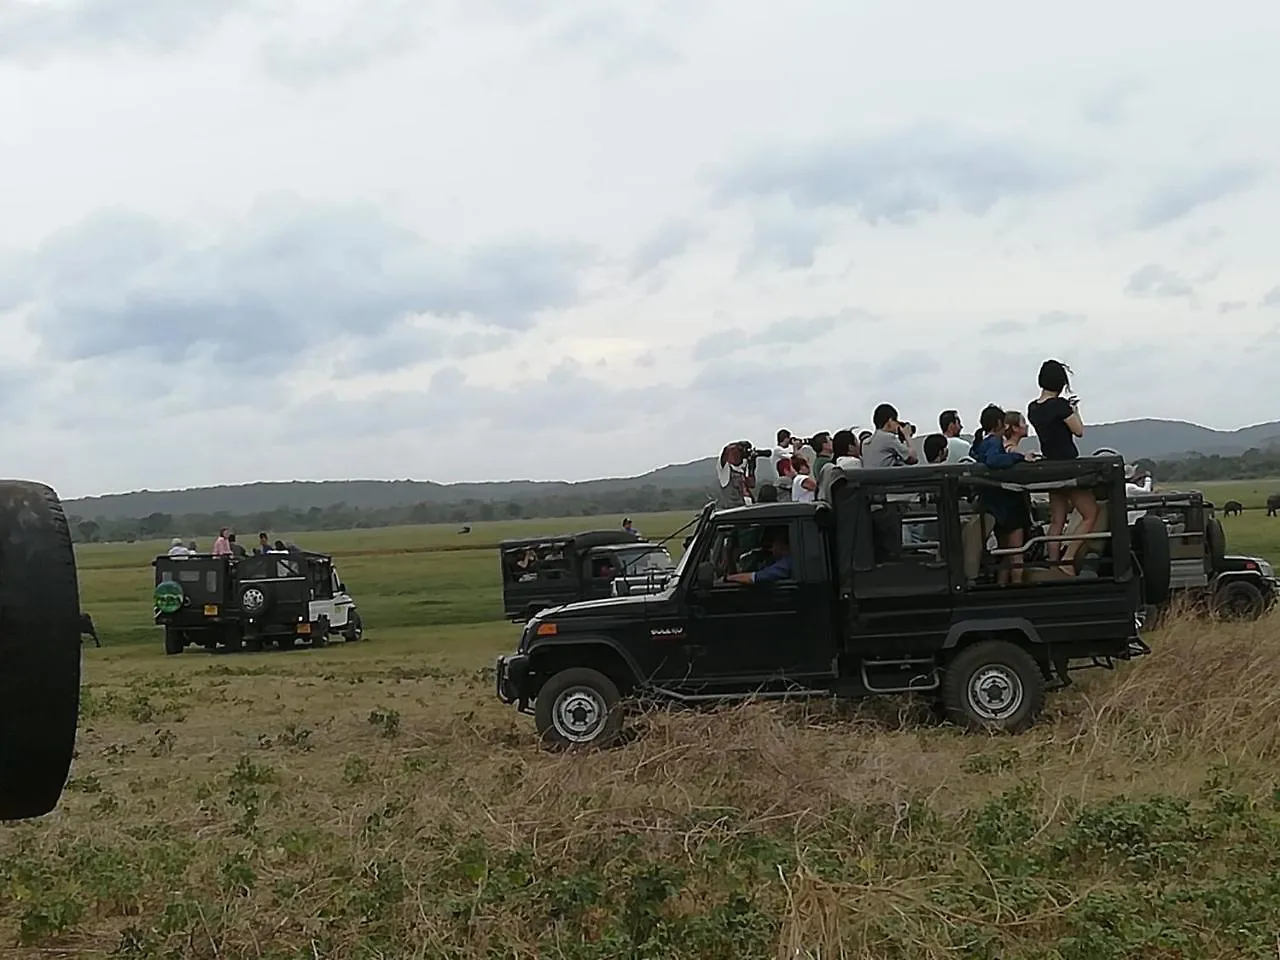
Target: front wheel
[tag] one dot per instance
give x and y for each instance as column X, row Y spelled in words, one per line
column 578, row 707
column 355, row 628
column 1239, row 600
column 993, row 686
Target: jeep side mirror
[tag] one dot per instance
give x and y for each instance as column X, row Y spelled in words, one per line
column 342, row 587
column 705, row 575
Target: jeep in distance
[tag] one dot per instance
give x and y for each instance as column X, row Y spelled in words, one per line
column 542, row 572
column 889, row 586
column 1203, row 573
column 275, row 597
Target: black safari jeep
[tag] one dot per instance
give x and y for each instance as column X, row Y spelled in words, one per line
column 275, row 597
column 193, row 602
column 1202, row 572
column 887, row 584
column 543, row 572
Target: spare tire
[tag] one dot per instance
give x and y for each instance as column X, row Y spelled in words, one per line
column 1150, row 540
column 1215, row 544
column 254, row 599
column 39, row 649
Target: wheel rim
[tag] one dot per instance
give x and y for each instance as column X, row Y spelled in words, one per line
column 995, row 692
column 253, row 599
column 579, row 714
column 1240, row 604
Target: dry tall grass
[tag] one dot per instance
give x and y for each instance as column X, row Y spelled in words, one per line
column 272, row 811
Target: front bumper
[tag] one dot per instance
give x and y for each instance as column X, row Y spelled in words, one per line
column 510, row 673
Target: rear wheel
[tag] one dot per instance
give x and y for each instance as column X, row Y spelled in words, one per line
column 578, row 707
column 173, row 643
column 320, row 632
column 287, row 642
column 995, row 686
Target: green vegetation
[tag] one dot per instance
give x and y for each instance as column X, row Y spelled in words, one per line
column 377, row 801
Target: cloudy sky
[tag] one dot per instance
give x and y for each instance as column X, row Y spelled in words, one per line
column 470, row 239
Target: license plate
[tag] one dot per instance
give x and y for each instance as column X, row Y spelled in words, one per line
column 210, row 609
column 304, row 628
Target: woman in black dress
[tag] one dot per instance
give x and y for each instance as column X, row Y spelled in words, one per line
column 1058, row 424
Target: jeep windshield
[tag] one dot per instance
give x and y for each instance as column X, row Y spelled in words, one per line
column 638, row 561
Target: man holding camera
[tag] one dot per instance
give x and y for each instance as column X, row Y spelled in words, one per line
column 731, row 477
column 890, row 445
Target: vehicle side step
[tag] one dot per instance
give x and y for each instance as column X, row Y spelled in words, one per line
column 920, row 682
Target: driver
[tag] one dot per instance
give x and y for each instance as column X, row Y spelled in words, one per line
column 779, row 569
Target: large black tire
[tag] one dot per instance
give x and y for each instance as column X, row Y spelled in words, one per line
column 993, row 686
column 578, row 707
column 1150, row 540
column 1239, row 600
column 39, row 649
column 173, row 642
column 1215, row 544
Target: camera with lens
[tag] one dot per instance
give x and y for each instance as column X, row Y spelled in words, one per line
column 750, row 454
column 906, row 430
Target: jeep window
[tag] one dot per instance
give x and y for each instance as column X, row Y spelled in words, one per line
column 534, row 562
column 903, row 535
column 743, row 547
column 286, row 568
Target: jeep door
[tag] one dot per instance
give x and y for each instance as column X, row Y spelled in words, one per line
column 903, row 597
column 736, row 633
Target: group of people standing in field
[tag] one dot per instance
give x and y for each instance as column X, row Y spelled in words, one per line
column 790, row 471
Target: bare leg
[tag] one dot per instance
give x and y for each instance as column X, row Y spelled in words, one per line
column 1059, row 506
column 1016, row 539
column 1085, row 502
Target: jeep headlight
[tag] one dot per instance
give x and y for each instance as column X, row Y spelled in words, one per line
column 1268, row 571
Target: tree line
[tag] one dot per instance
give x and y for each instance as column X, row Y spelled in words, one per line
column 341, row 516
column 1252, row 464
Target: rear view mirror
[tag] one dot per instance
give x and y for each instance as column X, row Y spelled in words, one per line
column 706, row 575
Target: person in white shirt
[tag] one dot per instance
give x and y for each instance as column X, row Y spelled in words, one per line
column 1136, row 484
column 782, row 451
column 177, row 549
column 844, row 447
column 804, row 488
column 950, row 425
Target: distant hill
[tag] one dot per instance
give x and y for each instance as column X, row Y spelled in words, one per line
column 1152, row 439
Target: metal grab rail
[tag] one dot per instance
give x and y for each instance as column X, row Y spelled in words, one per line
column 1067, row 538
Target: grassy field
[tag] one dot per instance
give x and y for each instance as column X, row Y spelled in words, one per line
column 376, row 801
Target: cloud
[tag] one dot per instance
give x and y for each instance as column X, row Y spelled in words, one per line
column 1154, row 280
column 288, row 278
column 36, row 30
column 618, row 40
column 1177, row 198
column 369, row 34
column 1059, row 318
column 900, row 176
column 1271, row 298
column 786, row 238
column 998, row 328
column 1231, row 306
column 667, row 243
column 791, row 332
column 1111, row 105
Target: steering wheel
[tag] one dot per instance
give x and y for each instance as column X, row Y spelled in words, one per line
column 1106, row 451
